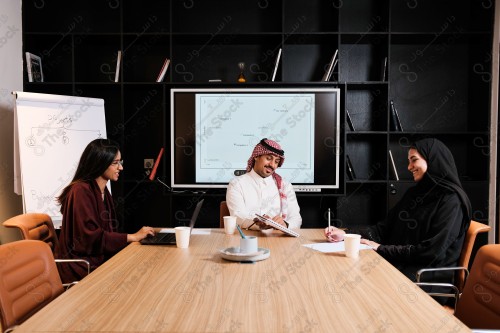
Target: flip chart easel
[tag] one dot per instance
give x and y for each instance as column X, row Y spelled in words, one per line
column 50, row 134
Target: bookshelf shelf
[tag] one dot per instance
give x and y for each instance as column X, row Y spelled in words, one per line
column 438, row 74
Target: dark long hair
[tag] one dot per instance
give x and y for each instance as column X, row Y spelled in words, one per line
column 95, row 159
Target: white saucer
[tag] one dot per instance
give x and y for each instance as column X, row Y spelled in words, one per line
column 234, row 254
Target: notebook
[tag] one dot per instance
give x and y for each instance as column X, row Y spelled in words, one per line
column 168, row 238
column 277, row 226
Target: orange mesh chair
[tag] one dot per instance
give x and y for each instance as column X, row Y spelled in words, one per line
column 223, row 211
column 28, row 280
column 479, row 305
column 39, row 226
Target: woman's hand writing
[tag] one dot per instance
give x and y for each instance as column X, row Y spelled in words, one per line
column 333, row 234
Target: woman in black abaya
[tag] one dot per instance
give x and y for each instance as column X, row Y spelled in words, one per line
column 427, row 227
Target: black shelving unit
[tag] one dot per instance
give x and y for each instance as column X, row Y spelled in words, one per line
column 438, row 74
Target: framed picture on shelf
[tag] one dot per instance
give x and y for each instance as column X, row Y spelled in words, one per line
column 34, row 67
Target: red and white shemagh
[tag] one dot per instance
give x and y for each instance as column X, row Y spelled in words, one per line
column 259, row 150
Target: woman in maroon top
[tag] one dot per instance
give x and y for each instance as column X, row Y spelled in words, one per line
column 89, row 225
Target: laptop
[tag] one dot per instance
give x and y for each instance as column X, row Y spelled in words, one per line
column 168, row 238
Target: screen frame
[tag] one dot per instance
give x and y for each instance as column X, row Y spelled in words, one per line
column 337, row 133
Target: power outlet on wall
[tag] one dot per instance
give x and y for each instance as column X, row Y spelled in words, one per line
column 148, row 163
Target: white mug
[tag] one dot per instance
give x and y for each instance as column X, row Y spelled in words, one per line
column 249, row 244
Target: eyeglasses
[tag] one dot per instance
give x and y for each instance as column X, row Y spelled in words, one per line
column 116, row 162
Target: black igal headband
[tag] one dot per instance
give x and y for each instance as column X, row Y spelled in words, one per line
column 271, row 148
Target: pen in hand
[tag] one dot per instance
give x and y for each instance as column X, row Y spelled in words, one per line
column 329, row 216
column 240, row 231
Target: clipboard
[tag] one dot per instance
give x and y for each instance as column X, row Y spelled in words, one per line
column 277, row 226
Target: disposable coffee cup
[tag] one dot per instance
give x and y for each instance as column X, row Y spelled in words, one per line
column 249, row 244
column 182, row 236
column 229, row 224
column 351, row 243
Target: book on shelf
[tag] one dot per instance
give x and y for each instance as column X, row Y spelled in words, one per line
column 34, row 67
column 118, row 64
column 393, row 166
column 395, row 121
column 276, row 63
column 163, row 70
column 329, row 68
column 384, row 70
column 350, row 169
column 349, row 120
column 333, row 68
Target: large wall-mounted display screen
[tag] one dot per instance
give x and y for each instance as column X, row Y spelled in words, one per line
column 215, row 130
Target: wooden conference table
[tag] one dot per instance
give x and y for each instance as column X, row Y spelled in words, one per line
column 166, row 289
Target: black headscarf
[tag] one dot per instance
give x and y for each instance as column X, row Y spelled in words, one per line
column 441, row 169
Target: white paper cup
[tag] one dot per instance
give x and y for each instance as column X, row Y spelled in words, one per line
column 249, row 244
column 229, row 224
column 182, row 236
column 351, row 243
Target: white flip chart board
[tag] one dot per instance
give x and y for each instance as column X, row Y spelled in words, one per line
column 50, row 134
